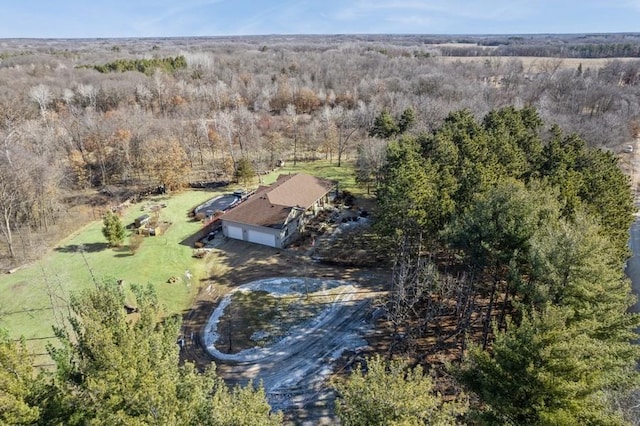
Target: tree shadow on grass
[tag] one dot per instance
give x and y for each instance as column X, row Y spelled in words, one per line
column 87, row 248
column 122, row 251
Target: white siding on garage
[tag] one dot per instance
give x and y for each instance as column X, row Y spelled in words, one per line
column 261, row 238
column 234, row 232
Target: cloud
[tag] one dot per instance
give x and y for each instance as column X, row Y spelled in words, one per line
column 176, row 18
column 487, row 10
column 140, row 18
column 284, row 16
column 411, row 21
column 632, row 4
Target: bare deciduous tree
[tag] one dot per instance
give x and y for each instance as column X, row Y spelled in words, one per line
column 41, row 94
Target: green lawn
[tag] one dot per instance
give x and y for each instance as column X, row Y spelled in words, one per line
column 345, row 174
column 29, row 294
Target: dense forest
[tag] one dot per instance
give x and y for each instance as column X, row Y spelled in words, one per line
column 497, row 182
column 512, row 243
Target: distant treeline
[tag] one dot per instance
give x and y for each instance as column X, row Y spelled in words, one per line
column 621, row 45
column 609, row 50
column 145, row 66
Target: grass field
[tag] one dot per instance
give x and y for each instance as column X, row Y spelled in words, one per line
column 26, row 307
column 29, row 294
column 536, row 64
column 344, row 175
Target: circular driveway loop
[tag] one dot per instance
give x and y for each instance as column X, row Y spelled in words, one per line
column 293, row 370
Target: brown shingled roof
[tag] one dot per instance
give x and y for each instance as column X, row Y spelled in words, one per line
column 270, row 205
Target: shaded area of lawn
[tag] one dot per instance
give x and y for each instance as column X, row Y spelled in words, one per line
column 77, row 248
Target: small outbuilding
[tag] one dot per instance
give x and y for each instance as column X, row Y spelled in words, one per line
column 141, row 221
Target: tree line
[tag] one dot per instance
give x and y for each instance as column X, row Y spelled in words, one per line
column 510, row 241
column 145, row 66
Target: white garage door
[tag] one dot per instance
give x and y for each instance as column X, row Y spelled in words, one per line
column 234, row 232
column 262, row 238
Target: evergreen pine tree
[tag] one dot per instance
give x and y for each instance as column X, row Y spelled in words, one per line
column 113, row 229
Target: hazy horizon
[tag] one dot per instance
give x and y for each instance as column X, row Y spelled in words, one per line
column 73, row 19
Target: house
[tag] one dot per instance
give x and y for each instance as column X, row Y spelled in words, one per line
column 274, row 215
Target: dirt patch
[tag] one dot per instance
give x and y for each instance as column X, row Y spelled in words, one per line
column 18, row 287
column 351, row 242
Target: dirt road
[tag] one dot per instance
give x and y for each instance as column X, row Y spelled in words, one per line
column 633, row 264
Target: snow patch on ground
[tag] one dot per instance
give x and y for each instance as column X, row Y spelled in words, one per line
column 293, row 369
column 278, row 287
column 259, row 335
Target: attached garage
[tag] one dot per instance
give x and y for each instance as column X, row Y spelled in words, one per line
column 261, row 238
column 234, row 232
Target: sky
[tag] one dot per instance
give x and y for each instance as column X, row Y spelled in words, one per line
column 175, row 18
